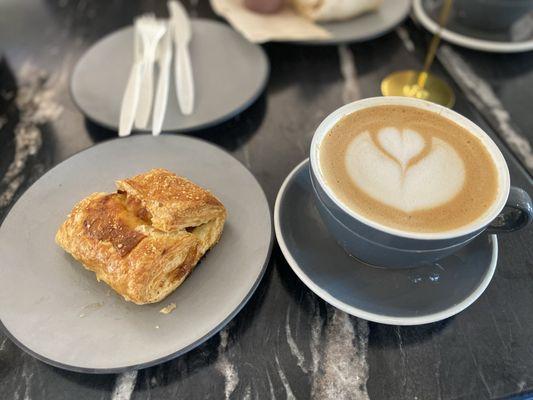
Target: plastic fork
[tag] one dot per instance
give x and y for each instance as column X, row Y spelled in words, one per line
column 151, row 31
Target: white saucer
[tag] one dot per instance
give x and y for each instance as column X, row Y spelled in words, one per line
column 468, row 41
column 398, row 297
column 229, row 75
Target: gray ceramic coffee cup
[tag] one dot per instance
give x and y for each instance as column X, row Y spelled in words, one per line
column 384, row 246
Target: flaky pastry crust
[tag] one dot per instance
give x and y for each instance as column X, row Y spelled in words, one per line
column 146, row 238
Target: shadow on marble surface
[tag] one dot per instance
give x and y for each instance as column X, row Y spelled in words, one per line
column 9, row 115
column 100, row 381
column 290, row 66
column 237, row 131
column 389, row 336
column 231, row 134
column 98, row 133
column 307, row 301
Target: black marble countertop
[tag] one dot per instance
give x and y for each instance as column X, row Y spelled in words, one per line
column 286, row 343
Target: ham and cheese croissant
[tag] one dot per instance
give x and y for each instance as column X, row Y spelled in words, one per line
column 144, row 239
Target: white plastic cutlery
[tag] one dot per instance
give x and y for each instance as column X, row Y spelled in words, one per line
column 130, row 99
column 164, row 57
column 151, row 31
column 180, row 27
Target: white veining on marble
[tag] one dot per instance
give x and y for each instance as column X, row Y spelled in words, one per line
column 343, row 369
column 285, row 382
column 316, row 333
column 479, row 371
column 124, row 385
column 247, row 393
column 270, row 387
column 246, row 157
column 522, row 29
column 36, row 105
column 350, row 89
column 27, row 378
column 403, row 34
column 437, row 378
column 483, row 97
column 225, row 366
column 295, row 351
column 402, row 355
column 3, row 344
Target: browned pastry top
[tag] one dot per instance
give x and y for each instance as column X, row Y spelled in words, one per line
column 171, row 202
column 147, row 237
column 108, row 219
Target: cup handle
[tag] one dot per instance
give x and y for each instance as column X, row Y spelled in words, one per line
column 517, row 213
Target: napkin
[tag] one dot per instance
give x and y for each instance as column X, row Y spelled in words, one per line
column 285, row 25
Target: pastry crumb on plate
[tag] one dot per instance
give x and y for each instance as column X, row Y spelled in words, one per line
column 168, row 309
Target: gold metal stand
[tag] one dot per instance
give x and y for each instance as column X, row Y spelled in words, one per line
column 423, row 84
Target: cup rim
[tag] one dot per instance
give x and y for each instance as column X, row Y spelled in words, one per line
column 490, row 145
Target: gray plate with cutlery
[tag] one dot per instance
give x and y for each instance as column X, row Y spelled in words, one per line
column 229, row 74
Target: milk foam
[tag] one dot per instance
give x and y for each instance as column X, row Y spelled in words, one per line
column 386, row 175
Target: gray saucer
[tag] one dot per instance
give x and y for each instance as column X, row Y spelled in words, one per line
column 398, row 297
column 367, row 26
column 229, row 74
column 57, row 311
column 426, row 11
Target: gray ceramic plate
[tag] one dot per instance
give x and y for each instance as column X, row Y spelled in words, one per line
column 229, row 74
column 367, row 26
column 57, row 311
column 399, row 297
column 426, row 11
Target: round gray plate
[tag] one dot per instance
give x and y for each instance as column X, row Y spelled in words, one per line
column 56, row 310
column 229, row 74
column 367, row 26
column 399, row 297
column 426, row 11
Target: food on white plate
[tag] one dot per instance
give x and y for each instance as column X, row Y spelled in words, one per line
column 334, row 10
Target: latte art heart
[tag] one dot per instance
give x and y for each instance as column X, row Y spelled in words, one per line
column 403, row 146
column 432, row 181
